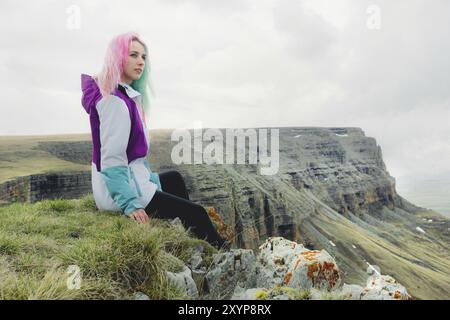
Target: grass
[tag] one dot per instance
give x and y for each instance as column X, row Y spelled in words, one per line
column 116, row 256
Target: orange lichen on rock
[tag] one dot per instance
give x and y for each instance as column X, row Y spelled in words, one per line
column 224, row 230
column 325, row 272
column 287, row 278
column 310, row 255
column 397, row 295
column 312, row 268
column 299, row 259
column 331, row 274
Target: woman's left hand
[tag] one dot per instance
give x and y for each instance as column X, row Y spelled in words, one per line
column 140, row 216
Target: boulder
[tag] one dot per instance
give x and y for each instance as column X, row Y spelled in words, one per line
column 286, row 270
column 384, row 287
column 287, row 263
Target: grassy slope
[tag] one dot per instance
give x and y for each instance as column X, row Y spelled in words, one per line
column 18, row 158
column 117, row 257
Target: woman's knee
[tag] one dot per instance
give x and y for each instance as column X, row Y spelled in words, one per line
column 171, row 175
column 200, row 211
column 176, row 175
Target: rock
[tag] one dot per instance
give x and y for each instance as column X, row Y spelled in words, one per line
column 177, row 224
column 140, row 296
column 384, row 288
column 287, row 263
column 200, row 281
column 283, row 270
column 373, row 270
column 351, row 292
column 316, row 294
column 230, row 269
column 196, row 257
column 184, row 281
column 420, row 229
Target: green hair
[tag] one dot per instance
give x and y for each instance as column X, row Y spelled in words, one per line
column 143, row 84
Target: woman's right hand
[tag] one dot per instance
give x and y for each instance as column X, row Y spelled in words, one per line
column 140, row 216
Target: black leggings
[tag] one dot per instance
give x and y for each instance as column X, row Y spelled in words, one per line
column 174, row 202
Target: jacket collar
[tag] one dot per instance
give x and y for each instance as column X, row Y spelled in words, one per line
column 129, row 90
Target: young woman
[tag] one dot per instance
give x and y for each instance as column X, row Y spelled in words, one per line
column 116, row 100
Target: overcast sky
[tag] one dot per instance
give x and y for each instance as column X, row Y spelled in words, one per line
column 382, row 66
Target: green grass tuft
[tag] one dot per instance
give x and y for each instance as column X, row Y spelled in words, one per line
column 116, row 256
column 58, row 205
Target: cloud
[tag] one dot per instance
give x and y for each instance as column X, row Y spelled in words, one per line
column 243, row 64
column 307, row 34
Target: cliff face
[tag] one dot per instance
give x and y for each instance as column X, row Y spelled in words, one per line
column 37, row 187
column 340, row 167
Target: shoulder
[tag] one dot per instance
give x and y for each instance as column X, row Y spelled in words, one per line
column 111, row 104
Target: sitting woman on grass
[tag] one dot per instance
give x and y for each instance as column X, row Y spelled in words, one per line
column 116, row 100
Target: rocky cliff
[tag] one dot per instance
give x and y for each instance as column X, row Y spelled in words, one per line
column 339, row 169
column 37, row 187
column 332, row 192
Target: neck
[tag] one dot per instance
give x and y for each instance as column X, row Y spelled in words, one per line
column 126, row 80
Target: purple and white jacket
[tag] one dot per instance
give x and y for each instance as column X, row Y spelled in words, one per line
column 121, row 176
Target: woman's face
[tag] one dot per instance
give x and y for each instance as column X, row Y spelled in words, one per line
column 135, row 63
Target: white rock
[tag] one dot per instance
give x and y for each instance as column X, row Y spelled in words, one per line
column 177, row 224
column 140, row 296
column 420, row 229
column 371, row 270
column 196, row 258
column 287, row 263
column 315, row 294
column 229, row 271
column 384, row 288
column 351, row 292
column 184, row 281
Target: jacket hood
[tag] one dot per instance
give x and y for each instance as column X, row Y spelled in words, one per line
column 91, row 92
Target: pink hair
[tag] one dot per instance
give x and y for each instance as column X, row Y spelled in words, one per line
column 115, row 60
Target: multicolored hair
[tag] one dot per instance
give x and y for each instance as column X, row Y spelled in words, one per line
column 115, row 60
